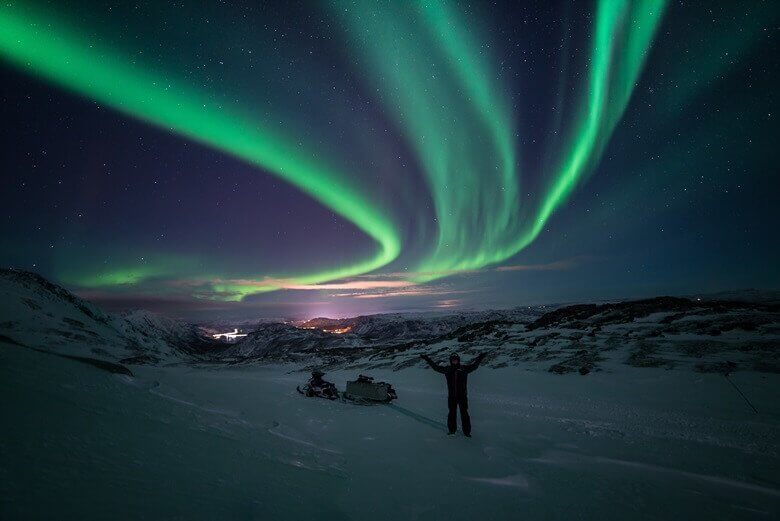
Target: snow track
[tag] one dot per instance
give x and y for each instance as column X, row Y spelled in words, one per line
column 192, row 443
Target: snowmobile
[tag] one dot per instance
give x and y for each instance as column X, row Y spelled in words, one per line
column 365, row 391
column 319, row 388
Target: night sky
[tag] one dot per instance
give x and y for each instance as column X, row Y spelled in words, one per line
column 234, row 160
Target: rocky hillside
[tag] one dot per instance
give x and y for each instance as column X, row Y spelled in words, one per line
column 666, row 332
column 358, row 336
column 714, row 335
column 38, row 314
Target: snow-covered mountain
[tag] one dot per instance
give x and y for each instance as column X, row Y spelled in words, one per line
column 396, row 327
column 280, row 341
column 38, row 314
column 668, row 332
column 356, row 337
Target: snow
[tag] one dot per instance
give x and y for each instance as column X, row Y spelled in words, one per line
column 41, row 315
column 202, row 433
column 206, row 443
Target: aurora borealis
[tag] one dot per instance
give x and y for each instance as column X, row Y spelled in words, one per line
column 335, row 156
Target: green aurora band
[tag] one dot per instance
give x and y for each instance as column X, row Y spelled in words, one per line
column 44, row 46
column 444, row 95
column 455, row 119
column 613, row 74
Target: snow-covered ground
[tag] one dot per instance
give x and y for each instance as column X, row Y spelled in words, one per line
column 239, row 442
column 613, row 411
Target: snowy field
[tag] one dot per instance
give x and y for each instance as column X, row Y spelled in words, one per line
column 217, row 442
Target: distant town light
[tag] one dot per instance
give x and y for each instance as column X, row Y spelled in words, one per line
column 230, row 337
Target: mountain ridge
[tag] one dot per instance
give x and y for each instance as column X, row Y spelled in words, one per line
column 664, row 332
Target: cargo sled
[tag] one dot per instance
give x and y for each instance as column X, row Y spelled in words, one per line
column 366, row 390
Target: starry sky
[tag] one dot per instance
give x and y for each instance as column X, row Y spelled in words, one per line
column 300, row 159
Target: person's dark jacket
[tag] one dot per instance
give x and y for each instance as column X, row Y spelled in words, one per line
column 457, row 375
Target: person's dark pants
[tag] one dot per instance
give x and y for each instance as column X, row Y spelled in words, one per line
column 454, row 403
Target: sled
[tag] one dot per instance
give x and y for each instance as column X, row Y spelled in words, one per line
column 365, row 391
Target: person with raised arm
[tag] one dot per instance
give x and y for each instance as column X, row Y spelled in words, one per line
column 457, row 389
